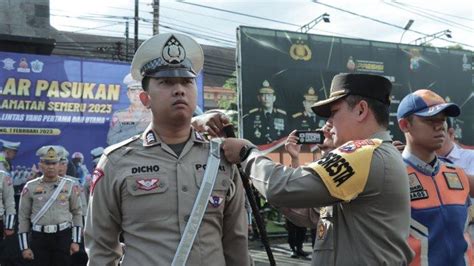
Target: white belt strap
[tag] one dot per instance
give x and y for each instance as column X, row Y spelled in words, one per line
column 48, row 204
column 200, row 205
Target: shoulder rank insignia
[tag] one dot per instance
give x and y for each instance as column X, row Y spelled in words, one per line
column 280, row 111
column 253, row 110
column 345, row 170
column 297, row 114
column 115, row 147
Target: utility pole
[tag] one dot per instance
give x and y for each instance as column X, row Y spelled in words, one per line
column 127, row 39
column 136, row 25
column 156, row 16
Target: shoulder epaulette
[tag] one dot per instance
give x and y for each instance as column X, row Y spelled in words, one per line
column 116, row 146
column 297, row 114
column 253, row 110
column 281, row 111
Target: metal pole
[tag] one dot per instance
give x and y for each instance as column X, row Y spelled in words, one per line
column 156, row 16
column 127, row 38
column 136, row 18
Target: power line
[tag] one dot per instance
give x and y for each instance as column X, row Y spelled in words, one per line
column 385, row 23
column 241, row 14
column 435, row 11
column 430, row 16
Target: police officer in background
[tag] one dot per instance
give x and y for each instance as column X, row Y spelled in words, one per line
column 307, row 119
column 131, row 120
column 361, row 185
column 267, row 123
column 146, row 186
column 439, row 191
column 50, row 208
column 8, row 151
column 7, row 209
column 80, row 257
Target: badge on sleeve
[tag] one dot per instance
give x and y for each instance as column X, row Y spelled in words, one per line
column 215, row 201
column 345, row 170
column 453, row 181
column 96, row 176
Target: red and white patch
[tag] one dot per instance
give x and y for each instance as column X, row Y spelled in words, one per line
column 24, row 191
column 96, row 176
column 354, row 145
column 147, row 183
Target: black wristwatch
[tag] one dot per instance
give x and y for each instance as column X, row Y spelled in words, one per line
column 245, row 152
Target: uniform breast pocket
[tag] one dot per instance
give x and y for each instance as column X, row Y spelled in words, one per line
column 216, row 202
column 147, row 198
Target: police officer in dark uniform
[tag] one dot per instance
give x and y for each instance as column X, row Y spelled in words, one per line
column 307, row 119
column 266, row 123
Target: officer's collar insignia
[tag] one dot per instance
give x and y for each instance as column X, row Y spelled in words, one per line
column 173, row 52
column 198, row 136
column 150, row 138
column 453, row 181
column 215, row 201
column 147, row 183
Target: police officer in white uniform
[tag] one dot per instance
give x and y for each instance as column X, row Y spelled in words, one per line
column 146, row 186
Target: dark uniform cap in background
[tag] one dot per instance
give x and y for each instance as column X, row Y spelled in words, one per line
column 49, row 153
column 366, row 85
column 266, row 88
column 168, row 55
column 426, row 103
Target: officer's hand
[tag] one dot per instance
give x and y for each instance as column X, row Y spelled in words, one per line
column 232, row 147
column 73, row 248
column 399, row 145
column 291, row 146
column 212, row 123
column 8, row 232
column 27, row 254
column 328, row 143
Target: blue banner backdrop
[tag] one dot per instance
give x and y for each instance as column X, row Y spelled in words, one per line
column 54, row 100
